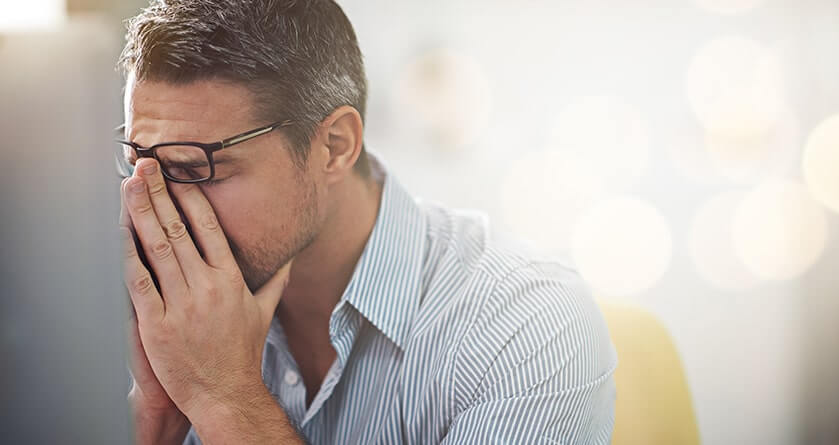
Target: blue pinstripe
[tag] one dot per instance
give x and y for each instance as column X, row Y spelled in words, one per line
column 443, row 337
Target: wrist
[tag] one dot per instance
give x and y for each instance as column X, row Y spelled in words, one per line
column 249, row 413
column 221, row 406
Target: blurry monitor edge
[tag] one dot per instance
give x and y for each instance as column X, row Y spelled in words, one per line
column 63, row 373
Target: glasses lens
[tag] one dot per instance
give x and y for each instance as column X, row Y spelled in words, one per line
column 125, row 159
column 184, row 162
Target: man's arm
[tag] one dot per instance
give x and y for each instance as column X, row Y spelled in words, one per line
column 540, row 371
column 247, row 418
column 251, row 419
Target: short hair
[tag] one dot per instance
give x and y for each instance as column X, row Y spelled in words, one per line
column 299, row 58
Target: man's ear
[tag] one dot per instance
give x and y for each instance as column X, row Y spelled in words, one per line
column 343, row 135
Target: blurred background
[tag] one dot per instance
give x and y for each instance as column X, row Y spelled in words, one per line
column 682, row 154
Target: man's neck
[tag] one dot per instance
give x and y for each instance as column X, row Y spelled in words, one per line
column 322, row 271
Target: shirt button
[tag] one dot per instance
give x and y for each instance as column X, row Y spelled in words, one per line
column 291, row 378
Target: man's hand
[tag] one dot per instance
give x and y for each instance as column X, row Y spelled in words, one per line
column 204, row 332
column 156, row 418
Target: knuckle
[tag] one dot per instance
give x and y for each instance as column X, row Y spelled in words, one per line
column 142, row 285
column 236, row 278
column 209, row 221
column 143, row 207
column 162, row 249
column 175, row 230
column 157, row 188
column 211, row 291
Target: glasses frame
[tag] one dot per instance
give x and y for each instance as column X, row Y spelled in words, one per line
column 208, row 148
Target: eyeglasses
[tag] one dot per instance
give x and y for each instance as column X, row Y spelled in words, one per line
column 184, row 162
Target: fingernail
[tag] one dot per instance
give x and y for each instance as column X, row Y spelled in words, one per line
column 138, row 186
column 150, row 168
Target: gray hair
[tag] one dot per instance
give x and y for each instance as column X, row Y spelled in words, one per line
column 299, row 58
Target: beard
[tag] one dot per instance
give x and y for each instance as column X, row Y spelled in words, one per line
column 260, row 263
column 262, row 260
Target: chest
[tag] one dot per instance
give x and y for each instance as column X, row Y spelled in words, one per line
column 365, row 390
column 314, row 356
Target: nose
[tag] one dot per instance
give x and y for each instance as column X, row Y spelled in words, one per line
column 143, row 152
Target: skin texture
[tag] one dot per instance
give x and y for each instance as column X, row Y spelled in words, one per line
column 269, row 239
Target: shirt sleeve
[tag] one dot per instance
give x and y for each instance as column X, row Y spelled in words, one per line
column 537, row 368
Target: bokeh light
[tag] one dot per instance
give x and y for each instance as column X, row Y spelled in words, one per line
column 711, row 244
column 622, row 247
column 736, row 89
column 447, row 95
column 544, row 194
column 31, row 14
column 821, row 163
column 779, row 230
column 736, row 85
column 607, row 136
column 748, row 153
column 728, row 7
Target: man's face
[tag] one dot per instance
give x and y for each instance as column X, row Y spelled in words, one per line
column 267, row 206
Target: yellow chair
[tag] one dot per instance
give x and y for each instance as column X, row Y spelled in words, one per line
column 653, row 401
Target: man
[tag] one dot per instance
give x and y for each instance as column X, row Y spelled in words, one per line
column 299, row 293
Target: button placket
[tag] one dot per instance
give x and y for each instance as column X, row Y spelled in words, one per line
column 290, row 395
column 291, row 378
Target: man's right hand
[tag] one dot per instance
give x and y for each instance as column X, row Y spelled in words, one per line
column 156, row 418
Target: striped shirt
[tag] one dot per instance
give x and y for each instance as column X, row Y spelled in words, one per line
column 443, row 337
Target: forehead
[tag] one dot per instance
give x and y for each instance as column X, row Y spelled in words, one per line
column 206, row 110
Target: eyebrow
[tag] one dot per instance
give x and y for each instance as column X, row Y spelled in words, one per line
column 120, row 132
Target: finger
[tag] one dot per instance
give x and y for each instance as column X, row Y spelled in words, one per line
column 158, row 249
column 124, row 218
column 148, row 305
column 129, row 247
column 205, row 226
column 170, row 220
column 270, row 294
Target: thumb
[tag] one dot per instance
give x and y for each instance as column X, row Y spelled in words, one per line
column 268, row 296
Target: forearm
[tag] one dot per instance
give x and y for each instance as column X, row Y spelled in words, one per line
column 158, row 426
column 251, row 418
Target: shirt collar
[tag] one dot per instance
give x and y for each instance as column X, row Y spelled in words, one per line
column 385, row 286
